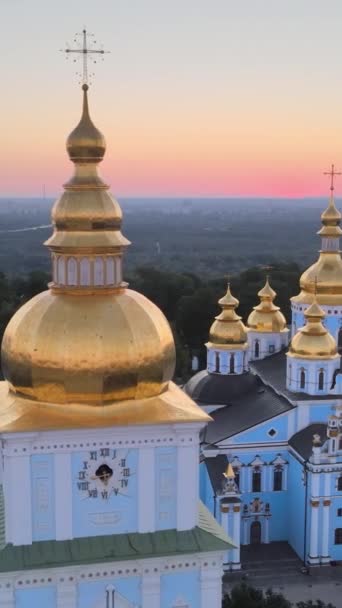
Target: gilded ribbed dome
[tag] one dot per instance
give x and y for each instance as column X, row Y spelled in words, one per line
column 228, row 329
column 266, row 317
column 325, row 275
column 89, row 340
column 62, row 348
column 313, row 341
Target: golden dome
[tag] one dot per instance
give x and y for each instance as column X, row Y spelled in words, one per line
column 313, row 341
column 325, row 275
column 86, row 143
column 89, row 352
column 61, row 348
column 266, row 317
column 228, row 331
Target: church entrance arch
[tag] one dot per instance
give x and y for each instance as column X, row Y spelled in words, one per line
column 255, row 533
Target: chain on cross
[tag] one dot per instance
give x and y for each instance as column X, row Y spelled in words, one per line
column 86, row 52
column 332, row 174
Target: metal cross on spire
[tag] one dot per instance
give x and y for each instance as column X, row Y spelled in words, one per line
column 332, row 174
column 85, row 51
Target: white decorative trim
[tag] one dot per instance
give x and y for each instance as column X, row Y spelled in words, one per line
column 146, row 490
column 63, row 488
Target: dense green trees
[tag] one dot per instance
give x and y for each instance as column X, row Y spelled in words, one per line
column 245, row 596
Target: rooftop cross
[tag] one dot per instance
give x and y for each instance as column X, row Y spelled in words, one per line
column 332, row 174
column 86, row 52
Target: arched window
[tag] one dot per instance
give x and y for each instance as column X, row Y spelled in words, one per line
column 72, row 271
column 237, row 476
column 256, row 480
column 110, row 271
column 232, row 364
column 277, row 479
column 217, row 363
column 256, row 349
column 339, row 484
column 321, row 380
column 85, row 271
column 302, row 378
column 338, row 536
column 290, row 374
column 339, row 342
column 98, row 271
column 61, row 271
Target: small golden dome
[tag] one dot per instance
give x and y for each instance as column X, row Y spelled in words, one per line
column 228, row 329
column 313, row 341
column 60, row 348
column 266, row 317
column 325, row 276
column 86, row 143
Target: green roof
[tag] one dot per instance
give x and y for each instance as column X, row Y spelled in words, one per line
column 207, row 536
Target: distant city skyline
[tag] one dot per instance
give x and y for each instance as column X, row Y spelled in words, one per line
column 196, row 98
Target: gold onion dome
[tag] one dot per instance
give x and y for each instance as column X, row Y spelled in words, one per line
column 88, row 341
column 228, row 330
column 313, row 341
column 266, row 317
column 325, row 275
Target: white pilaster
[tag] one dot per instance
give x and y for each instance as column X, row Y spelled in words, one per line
column 7, row 598
column 313, row 553
column 236, row 535
column 63, row 489
column 211, row 587
column 151, row 591
column 225, row 526
column 146, row 490
column 187, row 487
column 66, row 595
column 18, row 502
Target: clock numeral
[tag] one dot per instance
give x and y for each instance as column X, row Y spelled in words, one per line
column 104, row 494
column 85, row 465
column 93, row 455
column 104, row 452
column 114, row 455
column 116, row 491
column 83, row 485
column 126, row 472
column 93, row 493
column 123, row 462
column 82, row 475
column 124, row 483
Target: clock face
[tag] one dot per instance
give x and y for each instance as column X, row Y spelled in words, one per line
column 104, row 473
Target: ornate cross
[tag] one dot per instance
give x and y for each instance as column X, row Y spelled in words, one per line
column 86, row 52
column 332, row 174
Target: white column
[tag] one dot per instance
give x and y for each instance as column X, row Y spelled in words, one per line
column 225, row 526
column 67, row 595
column 7, row 598
column 211, row 586
column 313, row 553
column 146, row 490
column 325, row 533
column 17, row 474
column 236, row 536
column 187, row 487
column 63, row 496
column 151, row 591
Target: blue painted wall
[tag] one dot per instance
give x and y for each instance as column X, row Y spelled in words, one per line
column 166, row 488
column 39, row 597
column 185, row 586
column 295, row 513
column 93, row 594
column 206, row 490
column 96, row 514
column 43, row 497
column 259, row 434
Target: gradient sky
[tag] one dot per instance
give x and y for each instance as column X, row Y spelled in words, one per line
column 197, row 97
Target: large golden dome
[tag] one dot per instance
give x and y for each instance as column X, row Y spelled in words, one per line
column 61, row 348
column 228, row 331
column 89, row 352
column 313, row 341
column 324, row 277
column 266, row 317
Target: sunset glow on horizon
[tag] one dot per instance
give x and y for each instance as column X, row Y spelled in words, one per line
column 194, row 99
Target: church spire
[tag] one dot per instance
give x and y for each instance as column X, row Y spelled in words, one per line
column 228, row 328
column 331, row 219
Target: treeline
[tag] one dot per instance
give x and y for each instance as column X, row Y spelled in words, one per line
column 246, row 596
column 188, row 301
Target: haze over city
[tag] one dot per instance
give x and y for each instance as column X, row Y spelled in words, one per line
column 196, row 98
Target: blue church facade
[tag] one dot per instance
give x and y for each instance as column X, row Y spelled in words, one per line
column 271, row 460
